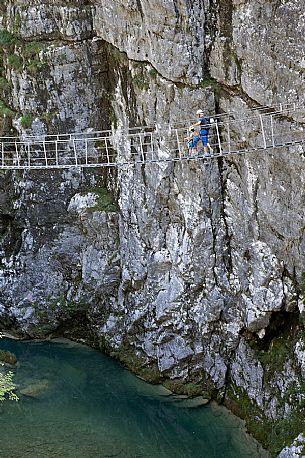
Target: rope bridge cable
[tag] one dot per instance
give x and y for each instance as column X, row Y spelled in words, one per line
column 280, row 109
column 185, row 158
column 230, row 134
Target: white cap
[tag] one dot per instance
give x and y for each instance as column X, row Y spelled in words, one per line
column 199, row 112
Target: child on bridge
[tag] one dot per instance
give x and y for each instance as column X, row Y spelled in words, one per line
column 193, row 139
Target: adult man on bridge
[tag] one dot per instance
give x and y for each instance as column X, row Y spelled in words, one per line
column 205, row 123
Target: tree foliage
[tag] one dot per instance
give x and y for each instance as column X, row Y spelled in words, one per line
column 7, row 386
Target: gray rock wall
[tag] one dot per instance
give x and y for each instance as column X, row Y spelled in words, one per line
column 188, row 271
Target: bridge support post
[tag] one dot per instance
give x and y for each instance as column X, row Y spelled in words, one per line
column 218, row 138
column 107, row 152
column 179, row 146
column 263, row 131
column 56, row 152
column 229, row 136
column 75, row 152
column 86, row 151
column 141, row 149
column 151, row 146
column 45, row 153
column 28, row 148
column 17, row 154
column 272, row 131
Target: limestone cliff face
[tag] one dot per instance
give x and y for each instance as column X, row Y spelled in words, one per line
column 189, row 273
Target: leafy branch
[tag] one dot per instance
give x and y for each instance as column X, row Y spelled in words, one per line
column 7, row 385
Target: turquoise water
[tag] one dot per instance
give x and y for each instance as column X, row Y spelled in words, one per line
column 82, row 404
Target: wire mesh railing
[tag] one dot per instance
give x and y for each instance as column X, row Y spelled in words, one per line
column 229, row 133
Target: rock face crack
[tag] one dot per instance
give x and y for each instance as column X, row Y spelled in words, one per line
column 214, row 243
column 227, row 252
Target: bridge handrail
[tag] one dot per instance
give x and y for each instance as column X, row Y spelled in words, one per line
column 232, row 117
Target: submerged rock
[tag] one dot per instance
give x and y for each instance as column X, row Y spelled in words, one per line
column 35, row 390
column 8, row 358
column 190, row 403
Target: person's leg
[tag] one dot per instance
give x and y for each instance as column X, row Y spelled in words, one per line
column 205, row 141
column 210, row 149
column 195, row 141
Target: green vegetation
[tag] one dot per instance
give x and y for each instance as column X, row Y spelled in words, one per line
column 26, row 120
column 140, row 82
column 274, row 353
column 31, row 52
column 275, row 357
column 17, row 23
column 105, row 200
column 7, row 44
column 20, row 54
column 15, row 61
column 75, row 308
column 273, row 434
column 32, row 48
column 35, row 66
column 6, row 38
column 5, row 111
column 48, row 116
column 153, row 72
column 207, row 82
column 7, row 387
column 191, row 389
column 61, row 305
column 127, row 356
column 4, row 84
column 115, row 54
column 278, row 434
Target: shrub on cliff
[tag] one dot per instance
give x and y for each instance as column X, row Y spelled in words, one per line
column 7, row 386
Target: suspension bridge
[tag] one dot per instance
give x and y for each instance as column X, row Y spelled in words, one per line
column 229, row 134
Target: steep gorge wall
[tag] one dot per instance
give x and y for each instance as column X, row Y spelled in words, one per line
column 196, row 279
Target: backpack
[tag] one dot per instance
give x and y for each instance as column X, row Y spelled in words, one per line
column 205, row 123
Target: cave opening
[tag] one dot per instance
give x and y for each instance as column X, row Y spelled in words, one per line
column 282, row 324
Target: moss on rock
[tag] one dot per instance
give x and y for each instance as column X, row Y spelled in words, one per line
column 105, row 200
column 274, row 435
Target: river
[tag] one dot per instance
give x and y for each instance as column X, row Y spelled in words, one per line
column 79, row 403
